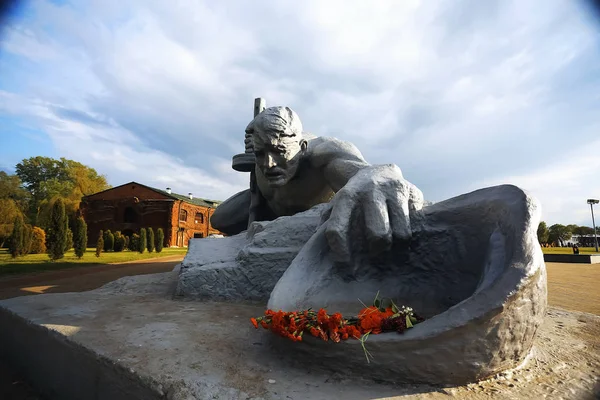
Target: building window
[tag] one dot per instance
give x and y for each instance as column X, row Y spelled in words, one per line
column 130, row 216
column 198, row 235
column 183, row 215
column 199, row 218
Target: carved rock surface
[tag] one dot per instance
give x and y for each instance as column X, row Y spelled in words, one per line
column 473, row 268
column 248, row 265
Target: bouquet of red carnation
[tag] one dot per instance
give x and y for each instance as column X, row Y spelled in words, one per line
column 370, row 320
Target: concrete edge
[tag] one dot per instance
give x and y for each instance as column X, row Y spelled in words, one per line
column 60, row 368
column 573, row 258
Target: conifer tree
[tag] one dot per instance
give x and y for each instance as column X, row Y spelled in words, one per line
column 16, row 237
column 160, row 237
column 150, row 240
column 69, row 243
column 142, row 244
column 57, row 231
column 80, row 237
column 100, row 244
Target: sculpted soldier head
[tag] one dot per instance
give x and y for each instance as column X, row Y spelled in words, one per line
column 278, row 144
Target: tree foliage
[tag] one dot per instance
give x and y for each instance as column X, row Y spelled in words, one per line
column 109, row 240
column 10, row 188
column 27, row 239
column 16, row 238
column 69, row 242
column 119, row 241
column 542, row 232
column 57, row 231
column 80, row 244
column 134, row 242
column 100, row 244
column 13, row 200
column 583, row 231
column 142, row 244
column 160, row 238
column 150, row 240
column 38, row 240
column 47, row 179
column 558, row 233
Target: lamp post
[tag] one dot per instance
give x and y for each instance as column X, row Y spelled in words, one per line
column 591, row 202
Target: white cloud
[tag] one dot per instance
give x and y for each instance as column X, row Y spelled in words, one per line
column 456, row 94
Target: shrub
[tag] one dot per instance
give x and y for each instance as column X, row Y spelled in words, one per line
column 57, row 231
column 134, row 243
column 160, row 238
column 38, row 240
column 16, row 237
column 142, row 244
column 150, row 240
column 27, row 232
column 80, row 237
column 100, row 244
column 119, row 241
column 69, row 242
column 109, row 241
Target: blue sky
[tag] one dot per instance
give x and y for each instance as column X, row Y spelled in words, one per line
column 459, row 94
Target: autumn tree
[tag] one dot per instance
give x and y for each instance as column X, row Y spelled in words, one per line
column 38, row 240
column 47, row 179
column 13, row 200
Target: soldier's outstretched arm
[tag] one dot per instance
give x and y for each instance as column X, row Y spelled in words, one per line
column 340, row 161
column 378, row 195
column 231, row 216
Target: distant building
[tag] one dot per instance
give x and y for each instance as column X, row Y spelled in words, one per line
column 132, row 206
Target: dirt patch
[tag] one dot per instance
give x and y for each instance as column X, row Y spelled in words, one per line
column 81, row 279
column 574, row 286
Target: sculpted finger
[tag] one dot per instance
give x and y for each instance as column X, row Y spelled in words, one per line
column 399, row 213
column 416, row 198
column 377, row 223
column 338, row 226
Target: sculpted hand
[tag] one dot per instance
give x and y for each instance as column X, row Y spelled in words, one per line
column 374, row 206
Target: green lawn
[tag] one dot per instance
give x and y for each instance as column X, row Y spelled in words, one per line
column 41, row 262
column 567, row 250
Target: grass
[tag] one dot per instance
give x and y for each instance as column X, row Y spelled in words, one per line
column 41, row 262
column 567, row 250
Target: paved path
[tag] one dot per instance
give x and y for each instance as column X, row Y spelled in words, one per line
column 83, row 278
column 12, row 384
column 570, row 286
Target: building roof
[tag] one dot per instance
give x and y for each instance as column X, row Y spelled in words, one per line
column 195, row 200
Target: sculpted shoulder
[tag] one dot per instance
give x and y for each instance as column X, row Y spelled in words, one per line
column 324, row 150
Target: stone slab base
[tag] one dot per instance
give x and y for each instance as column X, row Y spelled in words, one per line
column 131, row 340
column 573, row 258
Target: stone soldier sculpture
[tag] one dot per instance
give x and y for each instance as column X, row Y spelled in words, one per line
column 296, row 171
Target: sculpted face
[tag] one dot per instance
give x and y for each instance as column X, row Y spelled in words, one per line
column 277, row 157
column 278, row 144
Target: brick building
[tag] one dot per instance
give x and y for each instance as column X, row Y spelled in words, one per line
column 132, row 206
